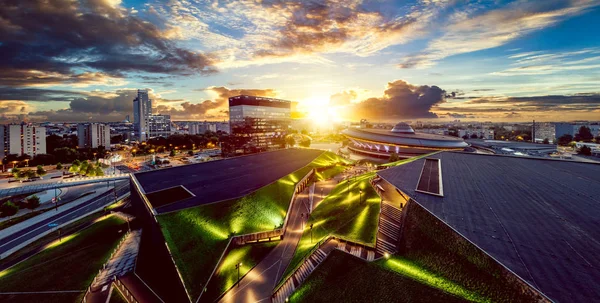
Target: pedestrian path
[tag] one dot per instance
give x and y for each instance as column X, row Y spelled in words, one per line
column 121, row 263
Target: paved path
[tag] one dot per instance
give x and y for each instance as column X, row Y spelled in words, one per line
column 12, row 241
column 120, row 264
column 258, row 284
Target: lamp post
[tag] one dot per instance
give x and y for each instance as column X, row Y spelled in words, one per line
column 14, row 163
column 311, row 226
column 237, row 266
column 27, row 162
column 360, row 196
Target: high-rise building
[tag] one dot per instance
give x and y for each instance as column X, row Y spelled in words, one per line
column 22, row 139
column 259, row 122
column 159, row 126
column 93, row 135
column 142, row 110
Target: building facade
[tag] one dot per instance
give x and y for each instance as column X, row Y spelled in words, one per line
column 22, row 139
column 93, row 135
column 561, row 129
column 159, row 126
column 142, row 110
column 258, row 122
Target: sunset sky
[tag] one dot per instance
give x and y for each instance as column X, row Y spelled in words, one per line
column 63, row 60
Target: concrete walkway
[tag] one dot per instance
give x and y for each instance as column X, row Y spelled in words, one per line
column 259, row 282
column 121, row 263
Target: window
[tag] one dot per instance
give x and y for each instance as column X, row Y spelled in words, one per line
column 430, row 181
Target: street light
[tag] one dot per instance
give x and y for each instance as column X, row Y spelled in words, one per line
column 360, row 195
column 237, row 266
column 14, row 163
column 311, row 226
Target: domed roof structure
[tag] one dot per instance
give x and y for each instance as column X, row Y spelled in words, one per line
column 403, row 128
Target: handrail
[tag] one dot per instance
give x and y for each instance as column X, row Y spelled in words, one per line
column 239, row 236
column 308, row 254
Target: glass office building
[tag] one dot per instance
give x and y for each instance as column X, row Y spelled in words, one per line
column 259, row 123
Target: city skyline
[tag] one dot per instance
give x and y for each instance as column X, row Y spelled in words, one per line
column 340, row 60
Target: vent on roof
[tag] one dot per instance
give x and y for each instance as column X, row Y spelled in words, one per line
column 430, row 181
column 167, row 196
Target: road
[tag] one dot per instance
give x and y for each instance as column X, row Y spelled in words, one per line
column 259, row 282
column 32, row 231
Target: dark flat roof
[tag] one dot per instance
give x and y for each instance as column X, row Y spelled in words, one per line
column 225, row 179
column 540, row 218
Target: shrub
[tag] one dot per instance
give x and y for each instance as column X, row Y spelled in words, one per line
column 8, row 209
column 59, row 165
column 33, row 202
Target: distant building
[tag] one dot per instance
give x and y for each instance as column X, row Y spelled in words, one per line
column 159, row 126
column 22, row 139
column 201, row 128
column 142, row 110
column 259, row 122
column 561, row 129
column 93, row 135
column 480, row 133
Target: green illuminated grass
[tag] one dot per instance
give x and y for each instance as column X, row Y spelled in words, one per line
column 226, row 275
column 116, row 297
column 330, row 172
column 341, row 213
column 67, row 265
column 345, row 278
column 197, row 236
column 412, row 270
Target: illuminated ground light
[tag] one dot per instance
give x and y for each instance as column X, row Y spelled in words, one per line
column 217, row 231
column 102, row 218
column 413, row 271
column 5, row 272
column 61, row 241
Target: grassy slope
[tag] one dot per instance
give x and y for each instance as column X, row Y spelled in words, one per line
column 342, row 214
column 68, row 265
column 226, row 275
column 344, row 278
column 205, row 230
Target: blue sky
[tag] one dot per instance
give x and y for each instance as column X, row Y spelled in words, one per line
column 381, row 60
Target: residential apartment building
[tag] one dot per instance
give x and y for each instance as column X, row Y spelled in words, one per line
column 22, row 139
column 561, row 129
column 93, row 135
column 159, row 126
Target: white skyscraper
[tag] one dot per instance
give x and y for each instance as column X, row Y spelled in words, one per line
column 142, row 110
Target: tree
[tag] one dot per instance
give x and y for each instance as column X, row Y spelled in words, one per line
column 305, row 142
column 59, row 166
column 33, row 202
column 584, row 134
column 40, row 171
column 565, row 139
column 172, row 153
column 90, row 170
column 394, row 157
column 16, row 172
column 290, row 141
column 99, row 171
column 474, row 136
column 8, row 209
column 30, row 173
column 546, row 141
column 190, row 153
column 585, row 150
column 465, row 137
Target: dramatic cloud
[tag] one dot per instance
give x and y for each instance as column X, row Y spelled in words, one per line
column 469, row 30
column 343, row 98
column 85, row 42
column 401, row 101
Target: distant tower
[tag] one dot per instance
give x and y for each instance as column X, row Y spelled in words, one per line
column 142, row 110
column 533, row 132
